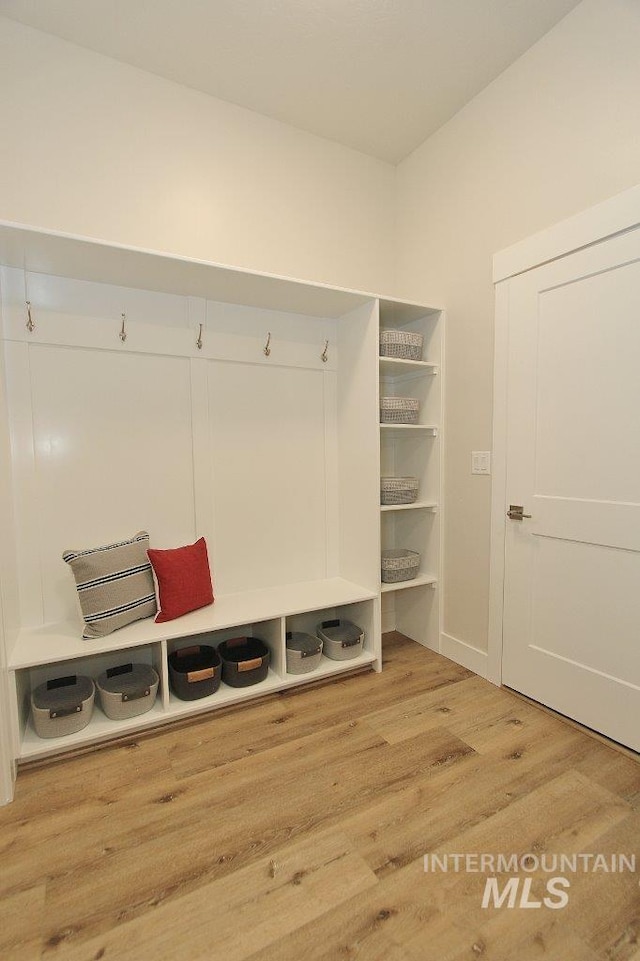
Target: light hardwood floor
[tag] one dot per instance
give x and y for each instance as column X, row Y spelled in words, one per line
column 294, row 829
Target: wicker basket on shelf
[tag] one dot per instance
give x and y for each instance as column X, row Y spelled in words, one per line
column 399, row 410
column 398, row 490
column 399, row 565
column 401, row 344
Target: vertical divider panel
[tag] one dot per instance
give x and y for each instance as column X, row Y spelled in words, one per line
column 331, row 472
column 283, row 647
column 163, row 671
column 359, row 452
column 359, row 446
column 272, row 633
column 202, row 456
column 9, row 594
column 19, row 683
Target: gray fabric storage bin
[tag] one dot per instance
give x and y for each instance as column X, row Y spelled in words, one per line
column 341, row 639
column 304, row 652
column 62, row 706
column 127, row 690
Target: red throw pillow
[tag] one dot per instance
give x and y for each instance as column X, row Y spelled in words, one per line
column 184, row 579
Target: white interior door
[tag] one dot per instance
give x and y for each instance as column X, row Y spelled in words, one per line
column 571, row 628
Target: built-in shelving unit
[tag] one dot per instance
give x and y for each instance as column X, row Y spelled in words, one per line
column 108, row 435
column 413, row 606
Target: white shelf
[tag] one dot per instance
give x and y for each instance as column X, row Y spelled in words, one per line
column 223, row 697
column 395, row 366
column 329, row 668
column 417, row 506
column 99, row 728
column 420, row 581
column 61, row 642
column 429, row 428
column 86, row 258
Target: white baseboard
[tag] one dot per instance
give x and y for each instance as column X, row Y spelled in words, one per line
column 460, row 652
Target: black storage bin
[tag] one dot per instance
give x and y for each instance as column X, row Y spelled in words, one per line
column 245, row 661
column 194, row 671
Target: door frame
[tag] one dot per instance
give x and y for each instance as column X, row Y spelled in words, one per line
column 595, row 225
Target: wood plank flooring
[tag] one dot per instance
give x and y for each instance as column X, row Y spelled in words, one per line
column 295, row 828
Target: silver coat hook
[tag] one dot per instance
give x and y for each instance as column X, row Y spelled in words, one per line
column 30, row 324
column 324, row 354
column 123, row 334
column 199, row 340
column 267, row 348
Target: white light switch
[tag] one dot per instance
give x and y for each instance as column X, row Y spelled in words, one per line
column 480, row 461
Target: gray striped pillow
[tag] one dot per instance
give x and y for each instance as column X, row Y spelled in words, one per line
column 114, row 583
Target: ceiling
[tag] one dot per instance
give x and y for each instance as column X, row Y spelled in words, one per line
column 376, row 75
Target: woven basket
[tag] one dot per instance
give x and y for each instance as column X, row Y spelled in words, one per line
column 399, row 565
column 127, row 690
column 62, row 706
column 304, row 652
column 403, row 344
column 398, row 490
column 399, row 410
column 341, row 639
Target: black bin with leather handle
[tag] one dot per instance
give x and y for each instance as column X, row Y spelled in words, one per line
column 194, row 671
column 245, row 661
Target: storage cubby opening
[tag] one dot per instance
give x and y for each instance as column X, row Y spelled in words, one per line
column 422, row 387
column 401, row 456
column 415, row 531
column 100, row 726
column 362, row 614
column 413, row 318
column 269, row 632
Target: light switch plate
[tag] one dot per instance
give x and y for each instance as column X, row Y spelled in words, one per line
column 480, row 461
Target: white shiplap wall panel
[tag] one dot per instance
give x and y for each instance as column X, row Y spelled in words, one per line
column 112, row 455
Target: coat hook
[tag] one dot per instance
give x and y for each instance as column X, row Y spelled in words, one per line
column 30, row 324
column 323, row 355
column 199, row 340
column 123, row 334
column 267, row 348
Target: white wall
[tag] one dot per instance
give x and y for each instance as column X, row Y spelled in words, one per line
column 554, row 134
column 95, row 147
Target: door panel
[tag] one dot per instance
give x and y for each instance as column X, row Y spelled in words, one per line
column 587, row 605
column 572, row 572
column 588, row 387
